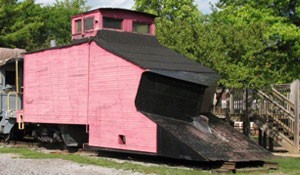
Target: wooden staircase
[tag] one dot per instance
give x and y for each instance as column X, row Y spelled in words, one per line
column 277, row 116
column 275, row 111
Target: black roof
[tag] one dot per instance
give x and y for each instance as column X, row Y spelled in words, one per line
column 146, row 52
column 128, row 10
column 117, row 9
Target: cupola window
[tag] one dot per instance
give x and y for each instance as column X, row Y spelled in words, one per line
column 112, row 23
column 78, row 26
column 89, row 23
column 141, row 27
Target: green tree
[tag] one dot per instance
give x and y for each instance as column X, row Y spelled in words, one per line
column 31, row 26
column 175, row 24
column 58, row 20
column 285, row 8
column 20, row 23
column 249, row 47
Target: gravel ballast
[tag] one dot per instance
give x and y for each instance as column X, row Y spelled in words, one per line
column 11, row 164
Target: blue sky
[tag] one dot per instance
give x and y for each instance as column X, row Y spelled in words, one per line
column 203, row 5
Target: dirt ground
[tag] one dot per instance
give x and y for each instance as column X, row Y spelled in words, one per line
column 280, row 151
column 287, row 154
column 11, row 164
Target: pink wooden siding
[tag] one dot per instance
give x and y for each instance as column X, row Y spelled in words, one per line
column 127, row 25
column 77, row 86
column 55, row 86
column 112, row 112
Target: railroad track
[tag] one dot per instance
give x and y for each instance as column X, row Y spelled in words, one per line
column 220, row 167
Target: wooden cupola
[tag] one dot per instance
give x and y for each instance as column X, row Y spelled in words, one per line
column 87, row 24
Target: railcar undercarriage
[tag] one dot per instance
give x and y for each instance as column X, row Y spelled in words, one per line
column 69, row 135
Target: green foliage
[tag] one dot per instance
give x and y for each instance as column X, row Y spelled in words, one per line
column 176, row 22
column 254, row 47
column 31, row 26
column 285, row 8
column 263, row 46
column 170, row 9
column 20, row 23
column 58, row 18
column 153, row 7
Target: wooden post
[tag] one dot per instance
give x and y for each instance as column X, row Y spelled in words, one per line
column 295, row 93
column 246, row 121
column 231, row 102
column 260, row 137
column 230, row 108
column 271, row 145
column 264, row 144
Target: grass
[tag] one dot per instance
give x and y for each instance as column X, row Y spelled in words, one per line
column 289, row 166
